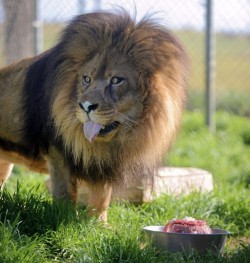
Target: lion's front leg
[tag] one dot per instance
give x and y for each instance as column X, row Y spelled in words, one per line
column 63, row 184
column 99, row 199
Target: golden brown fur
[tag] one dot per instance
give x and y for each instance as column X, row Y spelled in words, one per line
column 124, row 82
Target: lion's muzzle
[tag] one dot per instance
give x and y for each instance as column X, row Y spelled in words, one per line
column 92, row 128
column 88, row 106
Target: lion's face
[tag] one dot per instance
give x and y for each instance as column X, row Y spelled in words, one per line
column 120, row 85
column 108, row 98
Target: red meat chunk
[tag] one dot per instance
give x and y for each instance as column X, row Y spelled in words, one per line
column 187, row 225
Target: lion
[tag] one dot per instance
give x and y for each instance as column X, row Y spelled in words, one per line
column 103, row 105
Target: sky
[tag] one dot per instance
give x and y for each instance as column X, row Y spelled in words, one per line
column 229, row 15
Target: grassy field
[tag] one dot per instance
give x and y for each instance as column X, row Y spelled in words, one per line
column 34, row 229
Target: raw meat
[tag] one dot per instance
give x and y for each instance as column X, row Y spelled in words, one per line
column 187, row 225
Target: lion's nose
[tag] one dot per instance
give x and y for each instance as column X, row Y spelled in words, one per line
column 88, row 106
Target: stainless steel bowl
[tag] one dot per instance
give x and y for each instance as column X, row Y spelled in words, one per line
column 188, row 243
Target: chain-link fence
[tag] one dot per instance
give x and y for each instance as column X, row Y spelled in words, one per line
column 32, row 26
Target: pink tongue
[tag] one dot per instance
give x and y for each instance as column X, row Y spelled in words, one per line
column 91, row 129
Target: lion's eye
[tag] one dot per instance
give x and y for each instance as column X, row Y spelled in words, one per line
column 86, row 80
column 117, row 80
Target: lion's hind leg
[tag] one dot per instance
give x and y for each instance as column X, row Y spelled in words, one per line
column 5, row 171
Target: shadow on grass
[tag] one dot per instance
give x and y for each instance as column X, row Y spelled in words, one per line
column 35, row 214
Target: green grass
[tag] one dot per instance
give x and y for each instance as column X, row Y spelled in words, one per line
column 225, row 153
column 34, row 229
column 232, row 101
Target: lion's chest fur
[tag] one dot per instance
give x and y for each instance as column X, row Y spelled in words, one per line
column 97, row 161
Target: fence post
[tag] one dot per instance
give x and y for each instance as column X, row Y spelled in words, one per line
column 97, row 4
column 81, row 6
column 18, row 29
column 210, row 67
column 38, row 30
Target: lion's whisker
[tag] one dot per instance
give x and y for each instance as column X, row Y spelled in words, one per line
column 127, row 118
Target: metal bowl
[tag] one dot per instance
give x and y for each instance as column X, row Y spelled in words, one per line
column 188, row 243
